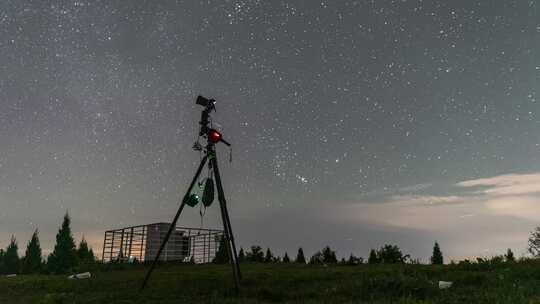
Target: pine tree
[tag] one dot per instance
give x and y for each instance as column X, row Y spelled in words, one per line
column 11, row 257
column 64, row 256
column 241, row 255
column 373, row 258
column 32, row 262
column 437, row 257
column 300, row 258
column 84, row 254
column 286, row 258
column 269, row 257
column 509, row 256
column 222, row 256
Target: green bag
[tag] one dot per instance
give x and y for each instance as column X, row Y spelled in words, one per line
column 208, row 194
column 192, row 200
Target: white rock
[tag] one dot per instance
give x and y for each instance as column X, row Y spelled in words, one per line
column 84, row 275
column 444, row 284
column 10, row 275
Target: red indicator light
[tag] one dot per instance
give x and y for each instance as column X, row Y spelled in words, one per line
column 215, row 136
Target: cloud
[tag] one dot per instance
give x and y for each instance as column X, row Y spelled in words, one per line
column 506, row 185
column 472, row 215
column 424, row 212
column 513, row 194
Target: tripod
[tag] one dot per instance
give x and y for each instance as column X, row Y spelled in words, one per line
column 213, row 137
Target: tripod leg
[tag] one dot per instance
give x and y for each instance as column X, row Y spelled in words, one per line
column 223, row 202
column 231, row 236
column 173, row 224
column 227, row 225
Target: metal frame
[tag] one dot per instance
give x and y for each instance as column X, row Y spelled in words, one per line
column 142, row 243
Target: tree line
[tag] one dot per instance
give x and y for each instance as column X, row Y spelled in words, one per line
column 65, row 258
column 387, row 254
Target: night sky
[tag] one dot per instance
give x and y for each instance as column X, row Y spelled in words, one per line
column 353, row 123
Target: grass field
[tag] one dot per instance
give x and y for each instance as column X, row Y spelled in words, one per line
column 287, row 283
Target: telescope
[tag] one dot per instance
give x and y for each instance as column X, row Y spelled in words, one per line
column 212, row 137
column 205, row 102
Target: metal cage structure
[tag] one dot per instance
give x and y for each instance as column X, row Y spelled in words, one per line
column 141, row 243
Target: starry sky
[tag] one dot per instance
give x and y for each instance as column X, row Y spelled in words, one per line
column 353, row 123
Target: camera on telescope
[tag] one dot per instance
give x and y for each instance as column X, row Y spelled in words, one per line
column 205, row 102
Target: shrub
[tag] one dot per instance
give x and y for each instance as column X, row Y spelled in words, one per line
column 388, row 254
column 255, row 255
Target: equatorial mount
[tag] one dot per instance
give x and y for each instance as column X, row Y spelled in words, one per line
column 206, row 130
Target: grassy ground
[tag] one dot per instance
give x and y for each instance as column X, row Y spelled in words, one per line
column 282, row 283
